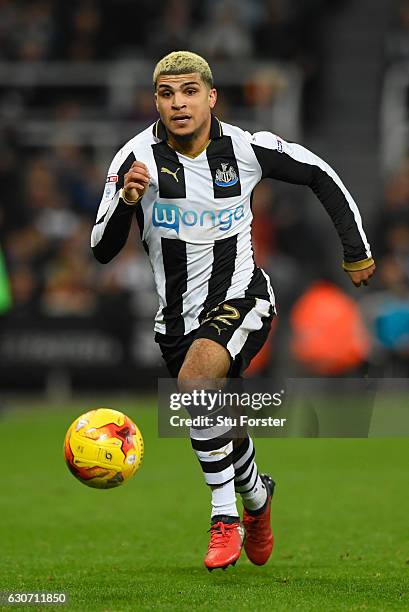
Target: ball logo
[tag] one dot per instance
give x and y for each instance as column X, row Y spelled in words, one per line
column 80, row 424
column 131, row 459
column 171, row 216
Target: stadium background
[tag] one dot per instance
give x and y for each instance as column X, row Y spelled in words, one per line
column 75, row 85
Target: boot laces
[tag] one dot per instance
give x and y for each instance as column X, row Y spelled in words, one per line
column 220, row 534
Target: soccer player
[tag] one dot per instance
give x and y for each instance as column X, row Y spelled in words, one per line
column 188, row 180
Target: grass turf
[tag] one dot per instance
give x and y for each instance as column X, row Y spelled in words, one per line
column 340, row 518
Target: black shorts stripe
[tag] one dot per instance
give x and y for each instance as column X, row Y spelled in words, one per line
column 239, row 471
column 175, row 266
column 256, row 339
column 212, row 467
column 213, row 326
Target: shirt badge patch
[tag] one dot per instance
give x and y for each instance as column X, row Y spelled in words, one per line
column 109, row 191
column 226, row 177
column 112, row 178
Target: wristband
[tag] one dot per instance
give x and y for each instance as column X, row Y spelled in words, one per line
column 129, row 202
column 356, row 266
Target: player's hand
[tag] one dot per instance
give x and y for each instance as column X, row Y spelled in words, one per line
column 136, row 181
column 361, row 277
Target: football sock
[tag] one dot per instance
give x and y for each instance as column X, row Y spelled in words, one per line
column 224, row 500
column 247, row 480
column 216, row 459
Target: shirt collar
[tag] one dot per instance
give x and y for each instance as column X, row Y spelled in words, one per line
column 216, row 131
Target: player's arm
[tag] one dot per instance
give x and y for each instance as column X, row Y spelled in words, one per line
column 293, row 163
column 126, row 184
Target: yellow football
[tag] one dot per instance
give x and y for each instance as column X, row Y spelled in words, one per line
column 103, row 448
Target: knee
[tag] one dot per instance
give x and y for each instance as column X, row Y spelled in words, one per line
column 189, row 380
column 205, row 364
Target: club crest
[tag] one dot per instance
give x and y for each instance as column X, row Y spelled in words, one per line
column 226, row 176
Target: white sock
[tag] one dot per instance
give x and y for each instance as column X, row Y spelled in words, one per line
column 224, row 500
column 257, row 497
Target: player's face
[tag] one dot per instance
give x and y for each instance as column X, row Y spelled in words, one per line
column 184, row 103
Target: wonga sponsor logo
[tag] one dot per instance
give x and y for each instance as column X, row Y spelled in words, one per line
column 171, row 216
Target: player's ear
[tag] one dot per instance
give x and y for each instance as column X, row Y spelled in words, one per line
column 212, row 97
column 156, row 100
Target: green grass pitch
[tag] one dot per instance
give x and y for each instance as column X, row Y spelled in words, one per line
column 340, row 516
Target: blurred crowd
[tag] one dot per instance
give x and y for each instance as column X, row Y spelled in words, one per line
column 50, row 193
column 85, row 30
column 90, row 30
column 386, row 307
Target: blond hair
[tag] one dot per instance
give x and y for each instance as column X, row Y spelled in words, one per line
column 183, row 62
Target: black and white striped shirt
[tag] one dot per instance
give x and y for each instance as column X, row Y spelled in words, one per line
column 195, row 217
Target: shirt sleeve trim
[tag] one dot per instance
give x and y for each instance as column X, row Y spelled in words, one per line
column 129, row 202
column 355, row 266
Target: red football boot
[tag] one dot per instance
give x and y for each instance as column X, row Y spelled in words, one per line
column 226, row 541
column 259, row 537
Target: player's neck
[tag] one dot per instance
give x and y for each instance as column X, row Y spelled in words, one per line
column 192, row 146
